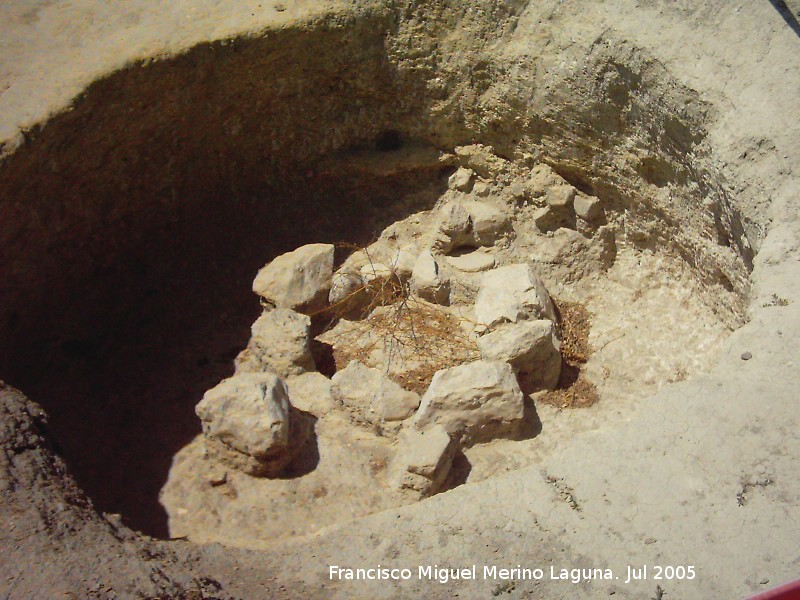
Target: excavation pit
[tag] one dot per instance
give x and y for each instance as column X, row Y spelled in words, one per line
column 134, row 223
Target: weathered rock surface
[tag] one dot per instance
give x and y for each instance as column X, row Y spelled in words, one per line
column 532, row 350
column 371, row 396
column 423, row 459
column 427, row 280
column 542, row 177
column 375, row 271
column 347, row 291
column 482, row 189
column 461, row 180
column 246, row 423
column 561, row 197
column 455, row 227
column 544, row 218
column 510, row 294
column 299, row 279
column 362, row 277
column 475, row 402
column 588, row 208
column 470, row 223
column 489, row 223
column 280, row 344
column 482, row 160
column 571, row 255
column 311, row 392
column 402, row 261
column 472, row 262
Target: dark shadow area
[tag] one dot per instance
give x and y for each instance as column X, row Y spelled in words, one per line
column 459, row 472
column 531, row 423
column 323, row 358
column 787, row 15
column 131, row 228
column 306, row 457
column 569, row 375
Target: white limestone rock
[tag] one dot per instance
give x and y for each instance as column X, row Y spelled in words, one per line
column 312, row 393
column 561, row 197
column 541, row 179
column 427, row 280
column 345, row 287
column 461, row 180
column 299, row 279
column 571, row 256
column 423, row 460
column 482, row 189
column 543, row 218
column 402, row 261
column 489, row 223
column 371, row 396
column 375, row 271
column 469, row 223
column 474, row 402
column 510, row 294
column 588, row 208
column 472, row 262
column 246, row 425
column 482, row 160
column 454, row 227
column 532, row 350
column 356, row 282
column 280, row 344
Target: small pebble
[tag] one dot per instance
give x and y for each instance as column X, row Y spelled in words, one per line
column 747, row 355
column 764, row 581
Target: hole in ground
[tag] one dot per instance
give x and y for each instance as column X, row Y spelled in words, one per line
column 133, row 224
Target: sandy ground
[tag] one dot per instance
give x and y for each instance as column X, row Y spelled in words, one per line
column 702, row 474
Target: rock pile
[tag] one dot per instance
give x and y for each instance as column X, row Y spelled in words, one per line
column 438, row 304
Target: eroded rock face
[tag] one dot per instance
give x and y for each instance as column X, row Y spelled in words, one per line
column 423, row 459
column 510, row 294
column 280, row 344
column 530, row 347
column 541, row 179
column 623, row 44
column 246, row 423
column 475, row 402
column 299, row 279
